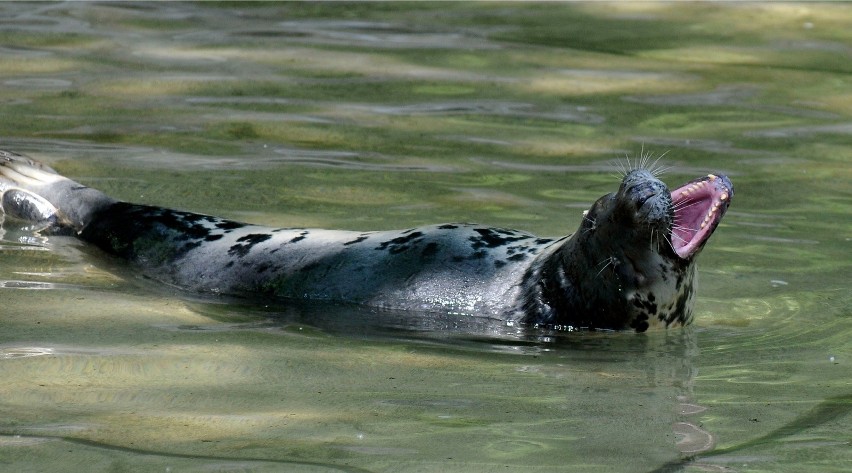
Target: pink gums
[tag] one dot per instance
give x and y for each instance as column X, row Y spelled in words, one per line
column 699, row 205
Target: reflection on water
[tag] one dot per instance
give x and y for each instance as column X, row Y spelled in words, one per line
column 377, row 116
column 229, row 384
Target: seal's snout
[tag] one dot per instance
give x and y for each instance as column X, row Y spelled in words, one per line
column 647, row 195
column 698, row 206
column 647, row 191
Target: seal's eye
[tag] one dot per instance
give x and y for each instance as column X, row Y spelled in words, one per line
column 601, row 205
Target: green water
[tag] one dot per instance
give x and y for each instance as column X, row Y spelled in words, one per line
column 376, row 116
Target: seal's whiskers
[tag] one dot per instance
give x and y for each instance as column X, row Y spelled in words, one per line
column 683, row 228
column 609, row 260
column 685, row 205
column 592, row 221
column 679, row 238
column 622, row 170
column 658, row 171
column 643, row 161
column 669, row 241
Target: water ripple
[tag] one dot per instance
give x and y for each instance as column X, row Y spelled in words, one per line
column 18, row 284
column 371, row 34
column 804, row 131
column 24, row 352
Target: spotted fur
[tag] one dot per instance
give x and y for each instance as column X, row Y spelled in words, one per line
column 618, row 272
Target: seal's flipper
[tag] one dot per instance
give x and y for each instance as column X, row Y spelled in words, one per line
column 35, row 188
column 24, row 205
column 41, row 215
column 8, row 156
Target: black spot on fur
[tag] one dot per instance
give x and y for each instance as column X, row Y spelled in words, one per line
column 647, row 305
column 193, row 218
column 182, row 222
column 357, row 240
column 517, row 257
column 487, row 238
column 254, row 238
column 246, row 243
column 664, row 272
column 640, row 323
column 213, row 237
column 400, row 244
column 680, row 305
column 448, row 227
column 229, row 225
column 492, row 238
column 499, row 263
column 238, row 250
column 300, row 237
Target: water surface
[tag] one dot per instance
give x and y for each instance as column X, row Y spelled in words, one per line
column 379, row 116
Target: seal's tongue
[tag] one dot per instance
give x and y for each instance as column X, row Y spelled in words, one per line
column 699, row 206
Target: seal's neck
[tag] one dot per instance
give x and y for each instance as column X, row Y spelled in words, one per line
column 591, row 282
column 553, row 292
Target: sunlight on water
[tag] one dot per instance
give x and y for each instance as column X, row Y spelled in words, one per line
column 379, row 116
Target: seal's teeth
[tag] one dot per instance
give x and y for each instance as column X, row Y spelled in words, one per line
column 690, row 189
column 724, row 196
column 712, row 177
column 684, row 193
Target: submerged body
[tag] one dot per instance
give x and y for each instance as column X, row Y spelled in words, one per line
column 630, row 265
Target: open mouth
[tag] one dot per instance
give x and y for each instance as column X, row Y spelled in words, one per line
column 698, row 207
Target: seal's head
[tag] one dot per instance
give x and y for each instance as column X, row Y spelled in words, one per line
column 631, row 264
column 681, row 220
column 650, row 237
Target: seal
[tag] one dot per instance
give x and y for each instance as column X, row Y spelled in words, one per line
column 631, row 264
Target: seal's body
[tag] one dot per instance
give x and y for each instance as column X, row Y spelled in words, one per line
column 630, row 265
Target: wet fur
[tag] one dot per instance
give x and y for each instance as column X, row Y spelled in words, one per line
column 618, row 271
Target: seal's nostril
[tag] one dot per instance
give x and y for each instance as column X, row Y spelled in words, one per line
column 642, row 198
column 642, row 194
